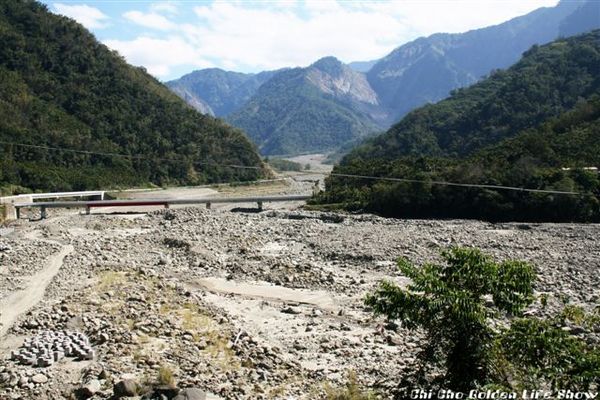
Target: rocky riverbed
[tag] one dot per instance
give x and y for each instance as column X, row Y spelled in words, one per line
column 244, row 305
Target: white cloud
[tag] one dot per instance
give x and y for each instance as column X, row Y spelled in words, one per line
column 158, row 56
column 90, row 17
column 255, row 36
column 150, row 20
column 164, row 7
column 274, row 38
column 452, row 16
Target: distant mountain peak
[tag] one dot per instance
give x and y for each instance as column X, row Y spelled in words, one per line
column 427, row 69
column 218, row 92
column 330, row 65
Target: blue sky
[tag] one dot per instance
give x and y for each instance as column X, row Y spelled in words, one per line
column 171, row 38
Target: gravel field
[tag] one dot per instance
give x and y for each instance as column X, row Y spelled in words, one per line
column 247, row 305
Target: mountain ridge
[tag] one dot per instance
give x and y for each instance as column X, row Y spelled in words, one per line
column 423, row 71
column 403, row 79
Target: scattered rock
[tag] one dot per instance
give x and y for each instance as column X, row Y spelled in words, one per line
column 191, row 394
column 39, row 378
column 290, row 310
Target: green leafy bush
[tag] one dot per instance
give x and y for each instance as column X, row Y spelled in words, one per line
column 449, row 302
column 470, row 309
column 534, row 353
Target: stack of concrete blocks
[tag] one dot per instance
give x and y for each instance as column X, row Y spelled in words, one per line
column 49, row 347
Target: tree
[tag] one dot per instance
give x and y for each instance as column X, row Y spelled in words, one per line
column 453, row 303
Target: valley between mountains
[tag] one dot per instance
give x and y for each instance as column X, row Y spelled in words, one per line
column 455, row 243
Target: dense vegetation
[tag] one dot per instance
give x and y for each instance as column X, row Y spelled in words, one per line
column 61, row 88
column 459, row 305
column 290, row 115
column 536, row 125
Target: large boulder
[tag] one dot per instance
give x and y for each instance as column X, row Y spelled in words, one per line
column 88, row 389
column 191, row 394
column 125, row 388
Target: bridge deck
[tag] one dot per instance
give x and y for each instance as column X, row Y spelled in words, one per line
column 155, row 202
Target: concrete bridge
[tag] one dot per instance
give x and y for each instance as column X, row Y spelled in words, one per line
column 88, row 205
column 11, row 211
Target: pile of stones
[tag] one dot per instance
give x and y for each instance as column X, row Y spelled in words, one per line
column 49, row 347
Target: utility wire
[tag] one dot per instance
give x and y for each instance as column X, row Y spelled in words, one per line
column 474, row 185
column 136, row 157
column 340, row 175
column 444, row 183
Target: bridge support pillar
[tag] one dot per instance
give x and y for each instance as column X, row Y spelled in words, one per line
column 208, row 206
column 43, row 212
column 260, row 205
column 18, row 212
column 88, row 210
column 9, row 212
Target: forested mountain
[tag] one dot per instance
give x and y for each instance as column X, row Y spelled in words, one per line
column 62, row 89
column 317, row 108
column 427, row 69
column 217, row 92
column 547, row 81
column 535, row 125
column 311, row 109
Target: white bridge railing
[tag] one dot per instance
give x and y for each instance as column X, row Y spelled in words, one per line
column 31, row 197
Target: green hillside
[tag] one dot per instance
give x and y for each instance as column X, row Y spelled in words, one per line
column 61, row 88
column 536, row 125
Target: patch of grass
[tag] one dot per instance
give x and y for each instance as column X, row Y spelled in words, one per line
column 193, row 319
column 143, row 339
column 219, row 349
column 111, row 279
column 202, row 327
column 165, row 376
column 351, row 391
column 130, row 324
column 165, row 309
column 112, row 307
column 139, row 355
